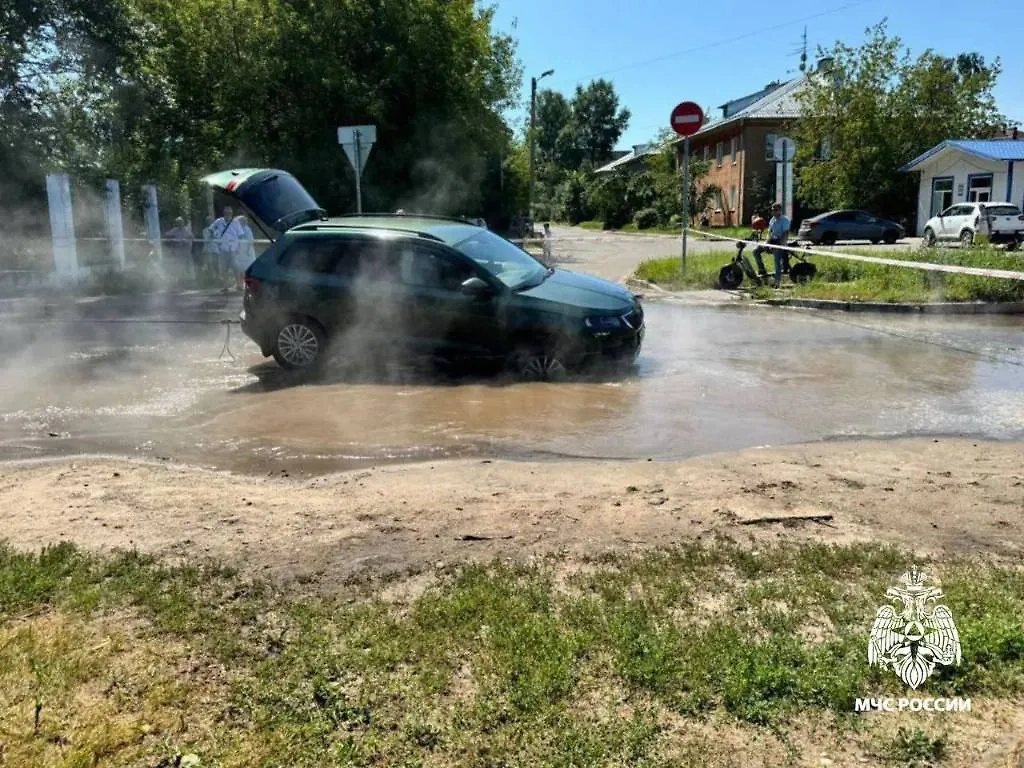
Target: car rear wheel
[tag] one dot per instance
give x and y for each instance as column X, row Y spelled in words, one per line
column 299, row 344
column 929, row 237
column 829, row 238
column 730, row 277
column 967, row 238
column 890, row 237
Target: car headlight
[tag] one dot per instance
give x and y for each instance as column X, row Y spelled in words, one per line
column 604, row 323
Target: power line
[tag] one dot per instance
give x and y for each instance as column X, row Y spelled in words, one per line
column 724, row 41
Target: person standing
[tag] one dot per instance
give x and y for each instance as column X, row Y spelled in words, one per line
column 778, row 234
column 229, row 245
column 221, row 249
column 246, row 253
column 181, row 247
column 547, row 242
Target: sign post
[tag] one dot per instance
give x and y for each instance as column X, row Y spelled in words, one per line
column 784, row 150
column 687, row 118
column 357, row 141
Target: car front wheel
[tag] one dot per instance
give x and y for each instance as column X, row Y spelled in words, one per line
column 539, row 363
column 299, row 344
column 929, row 237
column 967, row 238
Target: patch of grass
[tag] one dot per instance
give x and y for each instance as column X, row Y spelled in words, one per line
column 129, row 661
column 599, row 225
column 702, row 270
column 632, row 228
column 914, row 748
column 844, row 280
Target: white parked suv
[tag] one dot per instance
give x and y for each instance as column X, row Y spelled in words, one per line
column 1002, row 222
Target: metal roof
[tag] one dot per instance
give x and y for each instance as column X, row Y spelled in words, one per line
column 779, row 103
column 627, row 159
column 996, row 150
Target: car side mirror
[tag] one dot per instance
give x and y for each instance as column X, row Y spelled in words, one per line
column 477, row 287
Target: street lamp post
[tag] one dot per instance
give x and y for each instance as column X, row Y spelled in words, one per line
column 533, row 119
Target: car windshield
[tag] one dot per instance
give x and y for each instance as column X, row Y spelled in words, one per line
column 1002, row 210
column 507, row 262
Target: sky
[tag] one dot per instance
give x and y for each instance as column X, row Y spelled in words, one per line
column 658, row 53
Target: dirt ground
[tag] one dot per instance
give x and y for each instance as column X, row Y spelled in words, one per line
column 934, row 496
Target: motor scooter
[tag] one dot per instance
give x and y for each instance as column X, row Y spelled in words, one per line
column 731, row 275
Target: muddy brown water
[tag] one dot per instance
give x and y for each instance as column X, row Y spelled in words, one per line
column 708, row 380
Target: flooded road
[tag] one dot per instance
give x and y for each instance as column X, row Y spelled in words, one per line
column 709, row 379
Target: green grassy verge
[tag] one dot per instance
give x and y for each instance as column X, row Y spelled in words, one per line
column 844, row 280
column 123, row 661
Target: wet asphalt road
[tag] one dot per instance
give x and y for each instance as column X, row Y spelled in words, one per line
column 709, row 379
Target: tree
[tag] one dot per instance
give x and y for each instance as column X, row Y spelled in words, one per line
column 876, row 110
column 759, row 195
column 165, row 92
column 554, row 113
column 597, row 122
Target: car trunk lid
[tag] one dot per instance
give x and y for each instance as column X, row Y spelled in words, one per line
column 274, row 199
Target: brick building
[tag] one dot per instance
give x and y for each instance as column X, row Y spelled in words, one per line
column 740, row 147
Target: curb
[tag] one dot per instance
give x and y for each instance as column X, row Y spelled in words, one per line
column 938, row 308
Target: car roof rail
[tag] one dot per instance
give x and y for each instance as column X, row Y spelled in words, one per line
column 411, row 215
column 327, row 226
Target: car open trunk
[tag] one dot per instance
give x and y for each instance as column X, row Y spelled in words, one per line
column 274, row 199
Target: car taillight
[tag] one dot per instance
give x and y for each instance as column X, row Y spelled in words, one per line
column 252, row 285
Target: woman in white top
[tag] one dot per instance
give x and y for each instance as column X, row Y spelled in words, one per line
column 245, row 252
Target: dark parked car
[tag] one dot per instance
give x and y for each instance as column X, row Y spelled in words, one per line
column 416, row 285
column 827, row 228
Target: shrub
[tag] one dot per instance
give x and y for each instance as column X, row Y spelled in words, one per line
column 646, row 218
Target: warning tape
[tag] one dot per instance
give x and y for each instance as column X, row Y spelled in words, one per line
column 925, row 265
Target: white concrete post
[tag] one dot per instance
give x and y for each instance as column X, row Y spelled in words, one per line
column 62, row 226
column 115, row 225
column 153, row 219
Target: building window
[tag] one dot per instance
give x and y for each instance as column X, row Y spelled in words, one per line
column 979, row 188
column 825, row 153
column 769, row 146
column 707, row 153
column 732, row 198
column 719, row 153
column 942, row 194
column 734, row 148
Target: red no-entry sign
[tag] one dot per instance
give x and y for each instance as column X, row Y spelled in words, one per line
column 687, row 118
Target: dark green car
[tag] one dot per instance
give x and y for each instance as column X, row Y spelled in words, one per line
column 417, row 286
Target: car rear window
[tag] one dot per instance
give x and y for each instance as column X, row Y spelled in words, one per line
column 1002, row 210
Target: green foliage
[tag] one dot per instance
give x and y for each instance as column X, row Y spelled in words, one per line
column 760, row 197
column 880, row 108
column 646, row 218
column 607, row 198
column 192, row 86
column 571, row 202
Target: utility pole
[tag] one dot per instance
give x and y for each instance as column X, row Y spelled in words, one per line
column 533, row 120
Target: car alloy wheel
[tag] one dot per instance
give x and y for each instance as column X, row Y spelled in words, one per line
column 929, row 237
column 299, row 345
column 539, row 365
column 967, row 238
